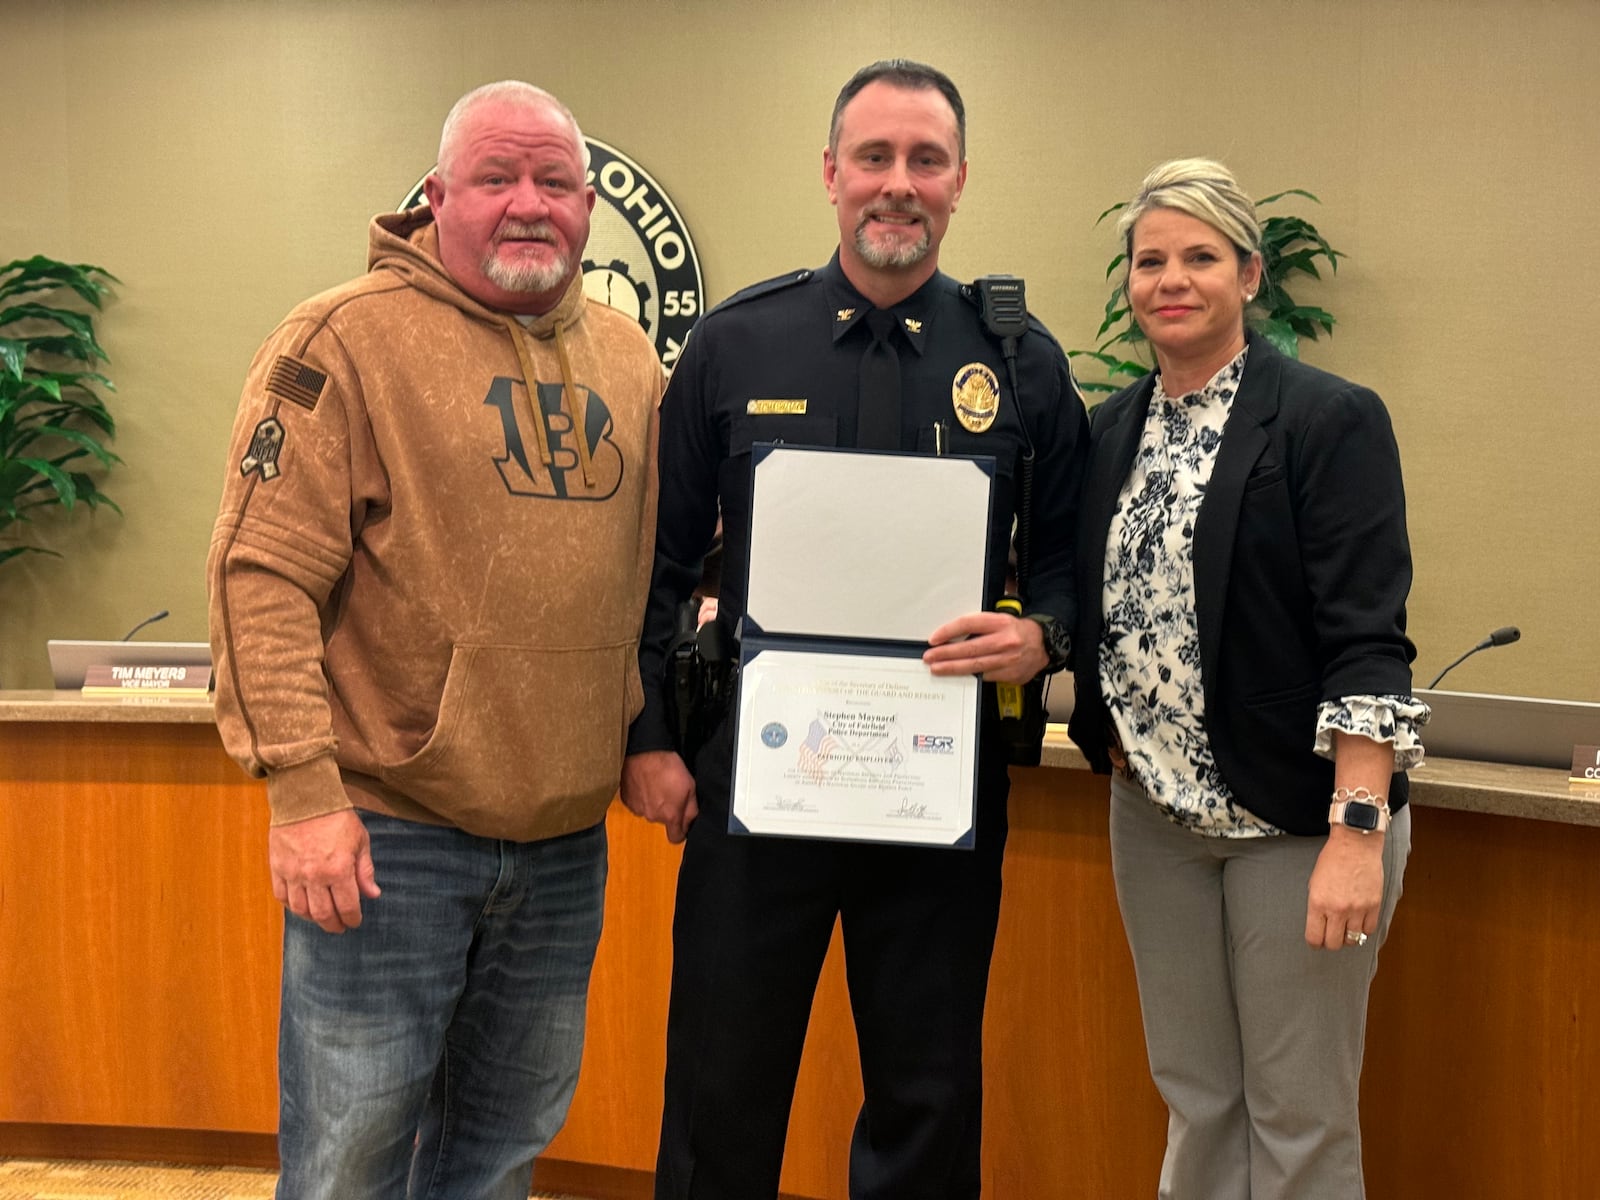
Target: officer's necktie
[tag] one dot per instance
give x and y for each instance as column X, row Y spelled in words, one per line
column 878, row 418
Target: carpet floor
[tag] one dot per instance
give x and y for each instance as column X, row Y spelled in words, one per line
column 50, row 1179
column 45, row 1179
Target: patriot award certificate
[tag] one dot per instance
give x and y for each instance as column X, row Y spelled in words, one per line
column 856, row 746
column 842, row 731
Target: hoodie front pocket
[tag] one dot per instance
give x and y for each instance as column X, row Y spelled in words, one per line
column 528, row 743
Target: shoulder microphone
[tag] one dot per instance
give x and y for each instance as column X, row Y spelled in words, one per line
column 1003, row 308
column 1003, row 305
column 1503, row 636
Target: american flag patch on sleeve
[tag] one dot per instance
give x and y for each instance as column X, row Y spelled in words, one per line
column 295, row 381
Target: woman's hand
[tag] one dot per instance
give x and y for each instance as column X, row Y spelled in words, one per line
column 1346, row 889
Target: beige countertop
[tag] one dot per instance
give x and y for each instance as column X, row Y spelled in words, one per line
column 1494, row 788
column 1542, row 794
column 144, row 709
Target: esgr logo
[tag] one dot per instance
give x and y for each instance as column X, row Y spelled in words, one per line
column 640, row 258
column 932, row 743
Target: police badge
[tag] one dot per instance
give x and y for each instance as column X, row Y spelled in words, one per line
column 975, row 393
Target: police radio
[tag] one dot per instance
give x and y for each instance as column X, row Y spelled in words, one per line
column 1021, row 708
column 1003, row 308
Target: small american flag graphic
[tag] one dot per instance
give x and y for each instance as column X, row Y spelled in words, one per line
column 817, row 748
column 295, row 381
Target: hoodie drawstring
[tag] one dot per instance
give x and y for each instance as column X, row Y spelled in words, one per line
column 580, row 409
column 574, row 402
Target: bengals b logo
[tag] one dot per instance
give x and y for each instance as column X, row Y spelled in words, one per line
column 563, row 477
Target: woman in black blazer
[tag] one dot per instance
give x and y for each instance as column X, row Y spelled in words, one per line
column 1243, row 670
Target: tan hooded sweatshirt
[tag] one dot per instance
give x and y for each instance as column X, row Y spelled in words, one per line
column 426, row 585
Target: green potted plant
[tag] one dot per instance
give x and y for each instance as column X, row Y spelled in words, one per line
column 53, row 421
column 1290, row 245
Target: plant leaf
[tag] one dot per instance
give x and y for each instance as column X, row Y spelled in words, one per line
column 57, row 478
column 65, row 347
column 39, row 273
column 1130, row 336
column 1301, row 260
column 12, row 551
column 77, row 322
column 1281, row 336
column 87, row 443
column 1114, row 312
column 13, row 354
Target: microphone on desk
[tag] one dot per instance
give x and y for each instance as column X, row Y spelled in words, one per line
column 160, row 616
column 1503, row 636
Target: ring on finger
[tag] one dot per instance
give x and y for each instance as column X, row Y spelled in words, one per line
column 1354, row 937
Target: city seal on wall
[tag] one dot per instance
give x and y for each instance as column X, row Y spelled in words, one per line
column 640, row 258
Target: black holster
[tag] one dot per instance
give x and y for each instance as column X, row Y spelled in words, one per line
column 702, row 667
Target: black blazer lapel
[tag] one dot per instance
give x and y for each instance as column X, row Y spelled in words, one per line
column 1244, row 437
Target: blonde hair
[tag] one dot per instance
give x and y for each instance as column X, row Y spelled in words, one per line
column 1207, row 191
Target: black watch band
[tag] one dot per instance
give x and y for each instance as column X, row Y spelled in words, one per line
column 1057, row 641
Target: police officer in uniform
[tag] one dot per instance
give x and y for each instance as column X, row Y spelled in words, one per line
column 794, row 360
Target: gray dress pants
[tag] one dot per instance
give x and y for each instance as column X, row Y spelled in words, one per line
column 1255, row 1039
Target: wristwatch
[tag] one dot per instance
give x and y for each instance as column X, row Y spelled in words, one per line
column 1359, row 809
column 1057, row 642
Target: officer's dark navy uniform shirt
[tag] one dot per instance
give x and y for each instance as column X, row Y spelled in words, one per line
column 801, row 337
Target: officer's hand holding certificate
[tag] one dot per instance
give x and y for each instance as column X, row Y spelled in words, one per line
column 843, row 731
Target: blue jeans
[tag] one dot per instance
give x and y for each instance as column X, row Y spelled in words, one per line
column 433, row 1051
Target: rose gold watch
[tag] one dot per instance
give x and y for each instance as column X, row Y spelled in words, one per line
column 1359, row 809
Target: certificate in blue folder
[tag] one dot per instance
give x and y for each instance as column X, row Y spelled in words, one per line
column 842, row 731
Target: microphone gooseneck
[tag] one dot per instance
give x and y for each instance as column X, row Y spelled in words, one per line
column 1503, row 636
column 150, row 620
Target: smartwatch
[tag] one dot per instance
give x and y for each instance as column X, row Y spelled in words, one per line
column 1359, row 809
column 1057, row 642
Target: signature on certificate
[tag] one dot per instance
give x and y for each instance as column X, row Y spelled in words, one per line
column 790, row 804
column 910, row 810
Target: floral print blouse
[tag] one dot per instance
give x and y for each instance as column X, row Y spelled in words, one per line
column 1150, row 653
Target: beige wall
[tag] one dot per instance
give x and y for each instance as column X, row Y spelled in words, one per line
column 223, row 160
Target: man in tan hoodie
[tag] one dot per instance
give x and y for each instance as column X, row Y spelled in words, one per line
column 427, row 581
